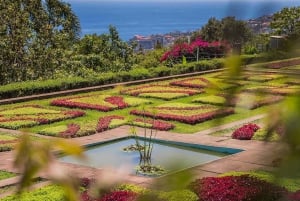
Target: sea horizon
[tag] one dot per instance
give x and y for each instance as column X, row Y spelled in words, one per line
column 160, row 17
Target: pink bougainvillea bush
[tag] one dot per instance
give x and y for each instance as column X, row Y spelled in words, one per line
column 245, row 132
column 212, row 50
column 31, row 115
column 189, row 114
column 236, row 188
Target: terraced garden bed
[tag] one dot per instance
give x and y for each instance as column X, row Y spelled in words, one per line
column 246, row 100
column 99, row 102
column 164, row 92
column 32, row 115
column 185, row 113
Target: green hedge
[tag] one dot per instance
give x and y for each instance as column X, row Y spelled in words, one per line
column 37, row 87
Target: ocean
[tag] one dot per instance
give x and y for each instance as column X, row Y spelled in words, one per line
column 158, row 17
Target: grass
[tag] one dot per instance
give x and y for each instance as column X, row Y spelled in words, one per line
column 49, row 193
column 6, row 175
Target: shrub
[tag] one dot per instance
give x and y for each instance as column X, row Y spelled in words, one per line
column 245, row 132
column 120, row 196
column 236, row 188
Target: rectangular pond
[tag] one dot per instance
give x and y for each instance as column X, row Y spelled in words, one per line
column 172, row 156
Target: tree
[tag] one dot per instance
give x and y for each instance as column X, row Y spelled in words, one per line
column 287, row 21
column 212, row 31
column 235, row 31
column 33, row 34
column 105, row 52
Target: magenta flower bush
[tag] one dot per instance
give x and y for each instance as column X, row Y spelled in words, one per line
column 214, row 49
column 236, row 188
column 245, row 132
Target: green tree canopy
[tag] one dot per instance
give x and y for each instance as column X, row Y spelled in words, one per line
column 105, row 52
column 212, row 31
column 32, row 32
column 228, row 29
column 287, row 21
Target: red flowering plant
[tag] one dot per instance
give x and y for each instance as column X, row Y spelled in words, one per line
column 213, row 49
column 245, row 132
column 104, row 122
column 155, row 124
column 71, row 131
column 236, row 188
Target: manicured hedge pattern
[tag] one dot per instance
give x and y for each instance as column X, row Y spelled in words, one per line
column 147, row 90
column 212, row 113
column 199, row 82
column 31, row 115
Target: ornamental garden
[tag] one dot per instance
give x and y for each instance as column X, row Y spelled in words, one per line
column 185, row 106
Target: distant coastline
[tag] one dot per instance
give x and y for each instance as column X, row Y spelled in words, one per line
column 133, row 18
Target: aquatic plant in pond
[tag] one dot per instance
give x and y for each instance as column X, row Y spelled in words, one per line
column 145, row 150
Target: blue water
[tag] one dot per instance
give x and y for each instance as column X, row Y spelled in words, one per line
column 111, row 155
column 145, row 17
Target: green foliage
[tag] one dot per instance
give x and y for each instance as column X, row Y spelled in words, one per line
column 286, row 21
column 33, row 37
column 228, row 29
column 179, row 195
column 292, row 184
column 49, row 193
column 6, row 175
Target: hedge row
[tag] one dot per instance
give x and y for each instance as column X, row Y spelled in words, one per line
column 37, row 87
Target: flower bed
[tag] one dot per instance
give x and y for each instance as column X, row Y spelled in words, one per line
column 7, row 141
column 264, row 77
column 104, row 122
column 103, row 103
column 70, row 132
column 237, row 188
column 284, row 91
column 283, row 63
column 31, row 115
column 186, row 114
column 165, row 92
column 154, row 124
column 199, row 82
column 245, row 132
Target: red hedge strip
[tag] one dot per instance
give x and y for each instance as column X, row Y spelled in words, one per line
column 193, row 119
column 236, row 188
column 103, row 122
column 245, row 132
column 120, row 196
column 71, row 131
column 156, row 124
column 136, row 92
column 115, row 100
column 185, row 83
